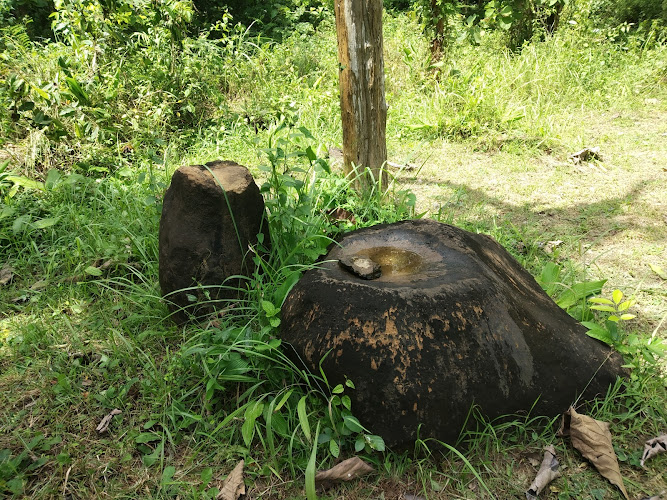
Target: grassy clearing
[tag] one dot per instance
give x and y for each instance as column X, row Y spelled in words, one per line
column 82, row 327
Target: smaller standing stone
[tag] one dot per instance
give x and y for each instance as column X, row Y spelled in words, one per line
column 211, row 217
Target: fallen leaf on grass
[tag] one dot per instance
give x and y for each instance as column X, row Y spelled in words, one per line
column 104, row 424
column 660, row 496
column 347, row 470
column 659, row 271
column 654, row 446
column 233, row 487
column 550, row 246
column 407, row 496
column 6, row 274
column 38, row 285
column 534, row 459
column 342, row 215
column 547, row 473
column 585, row 154
column 401, row 166
column 96, row 270
column 593, row 439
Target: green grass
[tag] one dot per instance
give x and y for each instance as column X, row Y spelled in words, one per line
column 83, row 329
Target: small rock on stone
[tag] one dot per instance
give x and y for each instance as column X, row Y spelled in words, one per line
column 361, row 266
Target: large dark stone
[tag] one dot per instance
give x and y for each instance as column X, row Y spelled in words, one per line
column 211, row 216
column 452, row 321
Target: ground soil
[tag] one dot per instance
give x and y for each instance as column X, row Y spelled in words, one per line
column 610, row 214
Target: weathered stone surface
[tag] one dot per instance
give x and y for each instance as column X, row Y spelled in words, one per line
column 211, row 215
column 453, row 321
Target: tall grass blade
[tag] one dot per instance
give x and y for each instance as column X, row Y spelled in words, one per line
column 311, row 468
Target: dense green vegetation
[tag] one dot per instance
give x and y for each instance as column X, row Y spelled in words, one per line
column 102, row 100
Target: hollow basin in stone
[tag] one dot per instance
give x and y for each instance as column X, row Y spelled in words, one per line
column 453, row 321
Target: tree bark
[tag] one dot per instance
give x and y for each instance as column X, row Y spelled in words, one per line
column 438, row 20
column 361, row 82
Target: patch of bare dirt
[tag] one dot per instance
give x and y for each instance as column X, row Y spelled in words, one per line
column 611, row 213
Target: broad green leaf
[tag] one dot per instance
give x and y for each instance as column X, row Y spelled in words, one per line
column 253, row 411
column 7, row 212
column 52, row 178
column 146, row 437
column 359, row 444
column 15, row 485
column 549, row 277
column 206, row 476
column 283, row 400
column 303, row 418
column 78, row 92
column 325, row 436
column 20, row 223
column 279, row 424
column 626, row 317
column 25, row 182
column 624, row 306
column 376, row 442
column 604, row 308
column 306, row 133
column 93, row 271
column 168, row 474
column 44, row 223
column 579, row 291
column 269, row 308
column 600, row 300
column 334, row 449
column 40, row 118
column 477, row 35
column 152, row 458
column 617, row 296
column 338, row 389
column 352, row 423
column 42, row 93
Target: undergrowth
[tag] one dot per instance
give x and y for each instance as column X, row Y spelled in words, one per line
column 92, row 135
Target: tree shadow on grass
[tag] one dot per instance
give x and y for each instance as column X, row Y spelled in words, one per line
column 596, row 222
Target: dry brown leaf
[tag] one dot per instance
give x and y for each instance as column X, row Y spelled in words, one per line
column 550, row 246
column 233, row 487
column 593, row 439
column 340, row 214
column 347, row 470
column 407, row 496
column 547, row 473
column 654, row 446
column 534, row 458
column 6, row 274
column 585, row 155
column 104, row 424
column 660, row 496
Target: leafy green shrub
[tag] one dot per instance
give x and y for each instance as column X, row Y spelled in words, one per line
column 34, row 14
column 629, row 11
column 274, row 18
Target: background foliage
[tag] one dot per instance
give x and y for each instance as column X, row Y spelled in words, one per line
column 102, row 99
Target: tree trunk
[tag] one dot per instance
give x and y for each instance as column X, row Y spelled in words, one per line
column 438, row 20
column 361, row 81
